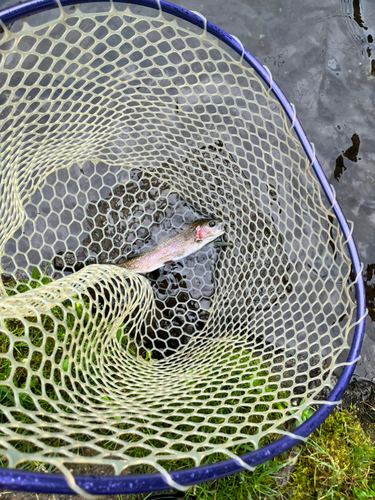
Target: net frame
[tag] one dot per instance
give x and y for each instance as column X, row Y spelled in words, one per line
column 104, row 485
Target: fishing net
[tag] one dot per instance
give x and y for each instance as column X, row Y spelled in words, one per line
column 118, row 128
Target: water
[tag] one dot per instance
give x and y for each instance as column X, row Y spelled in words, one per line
column 322, row 55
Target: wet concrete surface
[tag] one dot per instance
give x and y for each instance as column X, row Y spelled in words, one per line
column 322, row 55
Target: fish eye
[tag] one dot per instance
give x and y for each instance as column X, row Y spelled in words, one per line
column 212, row 223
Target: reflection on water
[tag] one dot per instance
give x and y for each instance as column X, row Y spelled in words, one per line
column 370, row 290
column 351, row 153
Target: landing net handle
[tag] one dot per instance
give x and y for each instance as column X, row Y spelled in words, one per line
column 110, row 485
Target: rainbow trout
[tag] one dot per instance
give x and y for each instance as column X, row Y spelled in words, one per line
column 196, row 236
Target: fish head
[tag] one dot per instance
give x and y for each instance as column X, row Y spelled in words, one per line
column 208, row 230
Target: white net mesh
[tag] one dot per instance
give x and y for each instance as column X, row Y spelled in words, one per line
column 118, row 128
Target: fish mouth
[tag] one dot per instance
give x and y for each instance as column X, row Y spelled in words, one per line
column 221, row 229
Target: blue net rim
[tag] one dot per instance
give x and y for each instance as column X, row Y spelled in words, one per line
column 13, row 479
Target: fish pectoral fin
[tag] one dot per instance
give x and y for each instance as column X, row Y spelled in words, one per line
column 167, row 262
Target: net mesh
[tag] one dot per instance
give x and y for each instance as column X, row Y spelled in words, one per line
column 118, row 128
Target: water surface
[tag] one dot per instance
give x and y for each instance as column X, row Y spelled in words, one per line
column 322, row 55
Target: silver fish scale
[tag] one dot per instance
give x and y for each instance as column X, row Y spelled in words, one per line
column 116, row 131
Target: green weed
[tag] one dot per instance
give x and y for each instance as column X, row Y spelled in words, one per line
column 337, row 462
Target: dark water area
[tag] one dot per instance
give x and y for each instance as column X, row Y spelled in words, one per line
column 322, row 55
